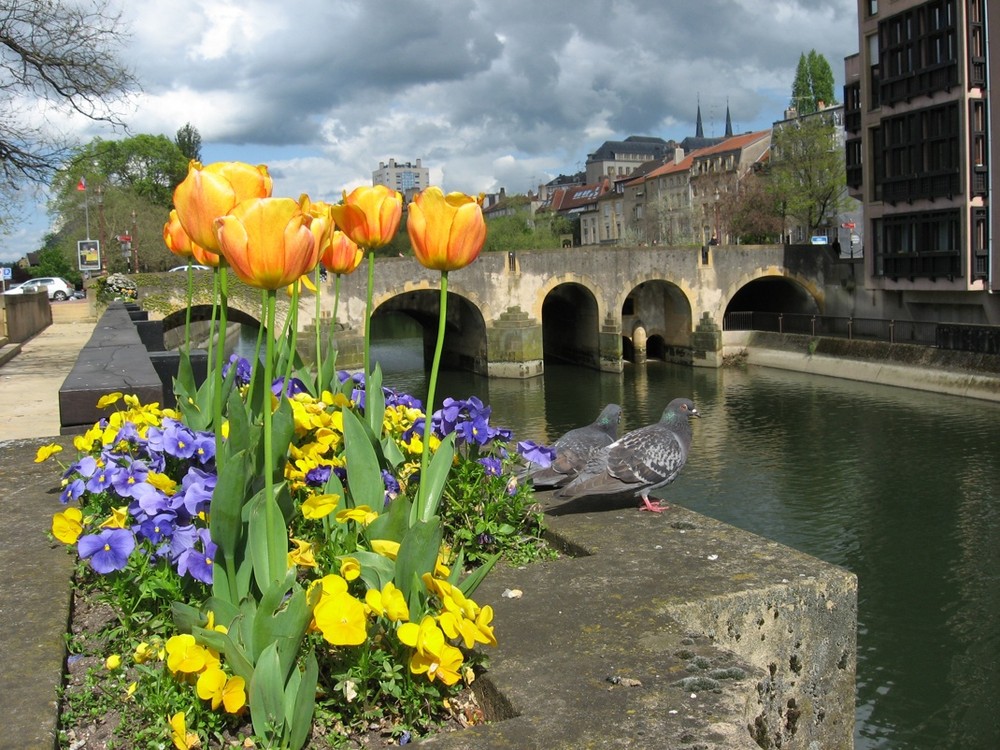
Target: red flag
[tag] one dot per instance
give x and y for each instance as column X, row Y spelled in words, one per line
column 82, row 184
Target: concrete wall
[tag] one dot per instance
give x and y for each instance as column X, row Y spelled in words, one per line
column 25, row 315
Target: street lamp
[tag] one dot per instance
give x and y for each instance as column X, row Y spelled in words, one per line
column 718, row 239
column 135, row 247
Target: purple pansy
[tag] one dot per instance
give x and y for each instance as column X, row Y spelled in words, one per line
column 107, row 550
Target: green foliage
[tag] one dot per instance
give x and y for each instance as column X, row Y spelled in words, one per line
column 487, row 514
column 521, row 231
column 806, row 175
column 813, row 83
column 188, row 141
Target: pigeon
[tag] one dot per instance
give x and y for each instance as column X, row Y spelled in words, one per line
column 576, row 447
column 641, row 460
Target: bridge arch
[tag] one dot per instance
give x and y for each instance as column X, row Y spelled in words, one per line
column 571, row 323
column 774, row 290
column 465, row 341
column 656, row 320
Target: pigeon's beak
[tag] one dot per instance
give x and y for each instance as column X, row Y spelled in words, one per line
column 694, row 413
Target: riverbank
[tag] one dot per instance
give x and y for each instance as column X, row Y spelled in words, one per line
column 901, row 365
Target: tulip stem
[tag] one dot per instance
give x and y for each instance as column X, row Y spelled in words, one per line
column 293, row 339
column 273, row 545
column 187, row 313
column 255, row 365
column 333, row 319
column 424, row 486
column 316, row 321
column 219, row 355
column 368, row 314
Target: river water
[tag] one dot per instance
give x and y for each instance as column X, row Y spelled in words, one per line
column 900, row 487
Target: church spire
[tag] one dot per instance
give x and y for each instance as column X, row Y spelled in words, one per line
column 729, row 122
column 699, row 132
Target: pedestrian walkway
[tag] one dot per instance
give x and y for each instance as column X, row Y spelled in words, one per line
column 30, row 381
column 34, row 572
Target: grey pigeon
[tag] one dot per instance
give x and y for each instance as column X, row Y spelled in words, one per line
column 641, row 460
column 577, row 447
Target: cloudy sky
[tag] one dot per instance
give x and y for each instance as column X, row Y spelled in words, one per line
column 487, row 93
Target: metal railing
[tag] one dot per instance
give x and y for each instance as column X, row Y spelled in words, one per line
column 941, row 335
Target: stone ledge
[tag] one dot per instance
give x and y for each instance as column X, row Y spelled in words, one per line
column 736, row 641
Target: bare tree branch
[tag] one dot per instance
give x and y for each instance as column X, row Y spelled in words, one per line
column 61, row 56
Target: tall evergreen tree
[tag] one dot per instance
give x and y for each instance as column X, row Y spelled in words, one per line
column 188, row 140
column 813, row 83
column 821, row 78
column 802, row 99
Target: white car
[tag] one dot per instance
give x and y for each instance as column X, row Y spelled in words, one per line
column 58, row 289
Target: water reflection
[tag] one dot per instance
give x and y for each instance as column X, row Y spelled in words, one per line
column 900, row 487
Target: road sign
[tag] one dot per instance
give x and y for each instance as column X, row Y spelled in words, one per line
column 848, row 225
column 6, row 273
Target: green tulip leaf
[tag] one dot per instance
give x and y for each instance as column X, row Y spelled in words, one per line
column 364, row 476
column 300, row 713
column 267, row 697
column 437, row 476
column 417, row 555
column 393, row 523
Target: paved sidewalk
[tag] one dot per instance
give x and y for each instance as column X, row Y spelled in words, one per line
column 35, row 573
column 30, row 381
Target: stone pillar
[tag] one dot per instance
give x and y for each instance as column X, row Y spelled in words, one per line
column 514, row 345
column 609, row 342
column 706, row 343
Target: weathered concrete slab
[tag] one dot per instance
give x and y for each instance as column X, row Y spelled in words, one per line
column 34, row 597
column 736, row 641
column 114, row 359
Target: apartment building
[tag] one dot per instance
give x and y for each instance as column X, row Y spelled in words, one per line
column 918, row 148
column 407, row 178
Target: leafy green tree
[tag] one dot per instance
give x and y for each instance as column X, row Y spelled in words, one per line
column 188, row 140
column 129, row 191
column 807, row 175
column 754, row 215
column 151, row 166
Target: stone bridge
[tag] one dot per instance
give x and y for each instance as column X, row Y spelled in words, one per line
column 592, row 306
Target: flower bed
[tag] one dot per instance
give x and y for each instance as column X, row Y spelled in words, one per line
column 289, row 557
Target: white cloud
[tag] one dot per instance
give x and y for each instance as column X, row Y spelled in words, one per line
column 486, row 94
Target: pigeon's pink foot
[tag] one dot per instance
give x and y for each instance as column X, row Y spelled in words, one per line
column 646, row 505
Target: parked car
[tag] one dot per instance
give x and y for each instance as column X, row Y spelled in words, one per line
column 193, row 267
column 58, row 289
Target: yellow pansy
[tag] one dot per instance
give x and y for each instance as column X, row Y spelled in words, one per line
column 350, row 568
column 363, row 514
column 46, row 452
column 108, row 399
column 341, row 620
column 68, row 525
column 222, row 690
column 113, row 662
column 118, row 518
column 181, row 737
column 185, row 655
column 389, row 603
column 319, row 506
column 303, row 555
column 385, row 547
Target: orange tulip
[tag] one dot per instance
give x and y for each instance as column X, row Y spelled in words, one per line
column 175, row 238
column 369, row 215
column 213, row 191
column 447, row 231
column 341, row 254
column 267, row 242
column 203, row 256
